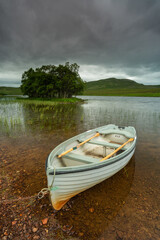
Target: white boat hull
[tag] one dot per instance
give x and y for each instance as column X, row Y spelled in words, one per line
column 68, row 183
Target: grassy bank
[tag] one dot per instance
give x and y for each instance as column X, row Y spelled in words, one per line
column 48, row 101
column 137, row 92
column 10, row 91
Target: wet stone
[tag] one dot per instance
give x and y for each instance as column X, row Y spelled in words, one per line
column 36, row 237
column 24, row 228
column 44, row 221
column 4, row 238
column 34, row 229
column 91, row 210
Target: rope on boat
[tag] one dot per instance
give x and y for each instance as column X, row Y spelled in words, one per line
column 45, row 191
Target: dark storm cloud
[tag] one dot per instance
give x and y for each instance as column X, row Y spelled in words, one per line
column 122, row 36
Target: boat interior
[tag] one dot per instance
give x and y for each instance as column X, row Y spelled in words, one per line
column 92, row 151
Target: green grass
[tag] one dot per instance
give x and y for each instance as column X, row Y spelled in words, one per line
column 48, row 101
column 10, row 91
column 135, row 92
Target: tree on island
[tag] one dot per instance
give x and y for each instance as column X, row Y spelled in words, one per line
column 51, row 81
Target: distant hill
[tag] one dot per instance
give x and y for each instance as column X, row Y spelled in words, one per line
column 115, row 83
column 120, row 87
column 10, row 91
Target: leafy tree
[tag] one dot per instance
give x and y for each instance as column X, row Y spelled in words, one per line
column 52, row 81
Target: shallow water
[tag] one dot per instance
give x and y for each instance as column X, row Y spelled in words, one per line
column 125, row 206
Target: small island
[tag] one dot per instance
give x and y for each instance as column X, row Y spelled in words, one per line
column 49, row 84
column 52, row 81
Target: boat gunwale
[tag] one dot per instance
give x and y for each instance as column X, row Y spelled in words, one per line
column 92, row 166
column 51, row 169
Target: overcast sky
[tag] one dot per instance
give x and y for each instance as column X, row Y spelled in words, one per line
column 106, row 38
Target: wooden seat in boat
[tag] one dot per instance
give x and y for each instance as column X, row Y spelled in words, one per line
column 81, row 158
column 115, row 131
column 105, row 144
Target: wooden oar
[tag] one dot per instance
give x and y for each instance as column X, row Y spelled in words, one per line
column 74, row 148
column 111, row 154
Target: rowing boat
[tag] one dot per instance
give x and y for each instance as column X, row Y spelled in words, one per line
column 86, row 160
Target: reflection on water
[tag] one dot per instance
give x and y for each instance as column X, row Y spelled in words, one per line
column 30, row 118
column 125, row 206
column 141, row 113
column 11, row 117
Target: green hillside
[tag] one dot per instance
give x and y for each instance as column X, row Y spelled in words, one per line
column 10, row 91
column 120, row 87
column 113, row 83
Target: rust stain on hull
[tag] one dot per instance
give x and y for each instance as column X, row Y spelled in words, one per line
column 59, row 204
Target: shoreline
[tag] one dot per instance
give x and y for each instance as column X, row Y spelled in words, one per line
column 39, row 101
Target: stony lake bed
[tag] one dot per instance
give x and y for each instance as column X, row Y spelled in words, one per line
column 126, row 206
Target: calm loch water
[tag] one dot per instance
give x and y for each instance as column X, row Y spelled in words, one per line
column 126, row 206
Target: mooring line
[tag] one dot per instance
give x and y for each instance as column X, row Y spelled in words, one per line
column 9, row 201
